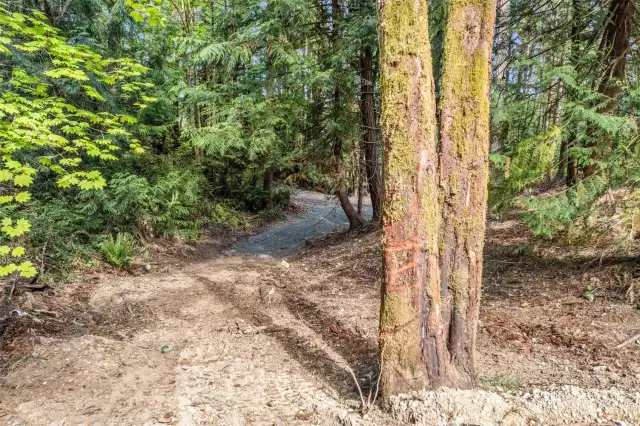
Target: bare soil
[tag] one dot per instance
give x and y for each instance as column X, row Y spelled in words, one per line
column 252, row 340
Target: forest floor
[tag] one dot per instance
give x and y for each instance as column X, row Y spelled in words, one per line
column 222, row 334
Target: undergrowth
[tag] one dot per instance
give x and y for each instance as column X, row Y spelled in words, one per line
column 119, row 251
column 158, row 200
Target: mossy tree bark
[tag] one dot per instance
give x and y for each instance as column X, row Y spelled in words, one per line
column 435, row 203
column 410, row 213
column 464, row 175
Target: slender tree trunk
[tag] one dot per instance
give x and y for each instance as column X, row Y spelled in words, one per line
column 361, row 179
column 503, row 46
column 355, row 220
column 315, row 114
column 369, row 139
column 572, row 166
column 615, row 45
column 574, row 54
column 267, row 185
column 562, row 164
column 410, row 214
column 502, row 52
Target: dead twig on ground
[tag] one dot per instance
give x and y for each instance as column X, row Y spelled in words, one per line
column 367, row 405
column 44, row 249
column 372, row 402
column 355, row 379
column 149, row 363
column 628, row 341
column 50, row 313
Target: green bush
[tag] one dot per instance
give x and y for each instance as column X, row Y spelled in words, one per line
column 163, row 207
column 256, row 199
column 119, row 251
column 62, row 235
column 223, row 212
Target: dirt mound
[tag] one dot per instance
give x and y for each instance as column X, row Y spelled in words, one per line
column 563, row 405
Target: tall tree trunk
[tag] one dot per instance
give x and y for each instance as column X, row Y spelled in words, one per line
column 361, row 179
column 369, row 139
column 566, row 159
column 315, row 115
column 410, row 214
column 355, row 220
column 615, row 44
column 503, row 45
column 432, row 251
column 572, row 165
column 562, row 163
column 267, row 184
column 464, row 176
column 502, row 53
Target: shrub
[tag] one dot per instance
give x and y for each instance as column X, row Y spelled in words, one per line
column 61, row 235
column 223, row 212
column 119, row 251
column 134, row 204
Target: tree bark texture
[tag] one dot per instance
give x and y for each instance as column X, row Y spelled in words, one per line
column 568, row 142
column 369, row 134
column 503, row 47
column 410, row 213
column 435, row 203
column 464, row 176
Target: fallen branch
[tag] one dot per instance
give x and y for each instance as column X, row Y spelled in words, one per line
column 628, row 341
column 43, row 312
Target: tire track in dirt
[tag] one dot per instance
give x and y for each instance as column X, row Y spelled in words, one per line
column 222, row 368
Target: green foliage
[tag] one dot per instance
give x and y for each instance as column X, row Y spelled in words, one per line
column 42, row 132
column 269, row 215
column 502, row 383
column 119, row 251
column 160, row 208
column 253, row 83
column 533, row 160
column 549, row 214
column 61, row 234
column 223, row 212
column 552, row 70
column 236, row 100
column 170, row 205
column 231, row 102
column 529, row 163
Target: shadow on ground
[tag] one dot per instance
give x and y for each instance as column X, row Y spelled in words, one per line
column 320, row 351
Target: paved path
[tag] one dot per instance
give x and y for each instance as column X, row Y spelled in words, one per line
column 322, row 216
